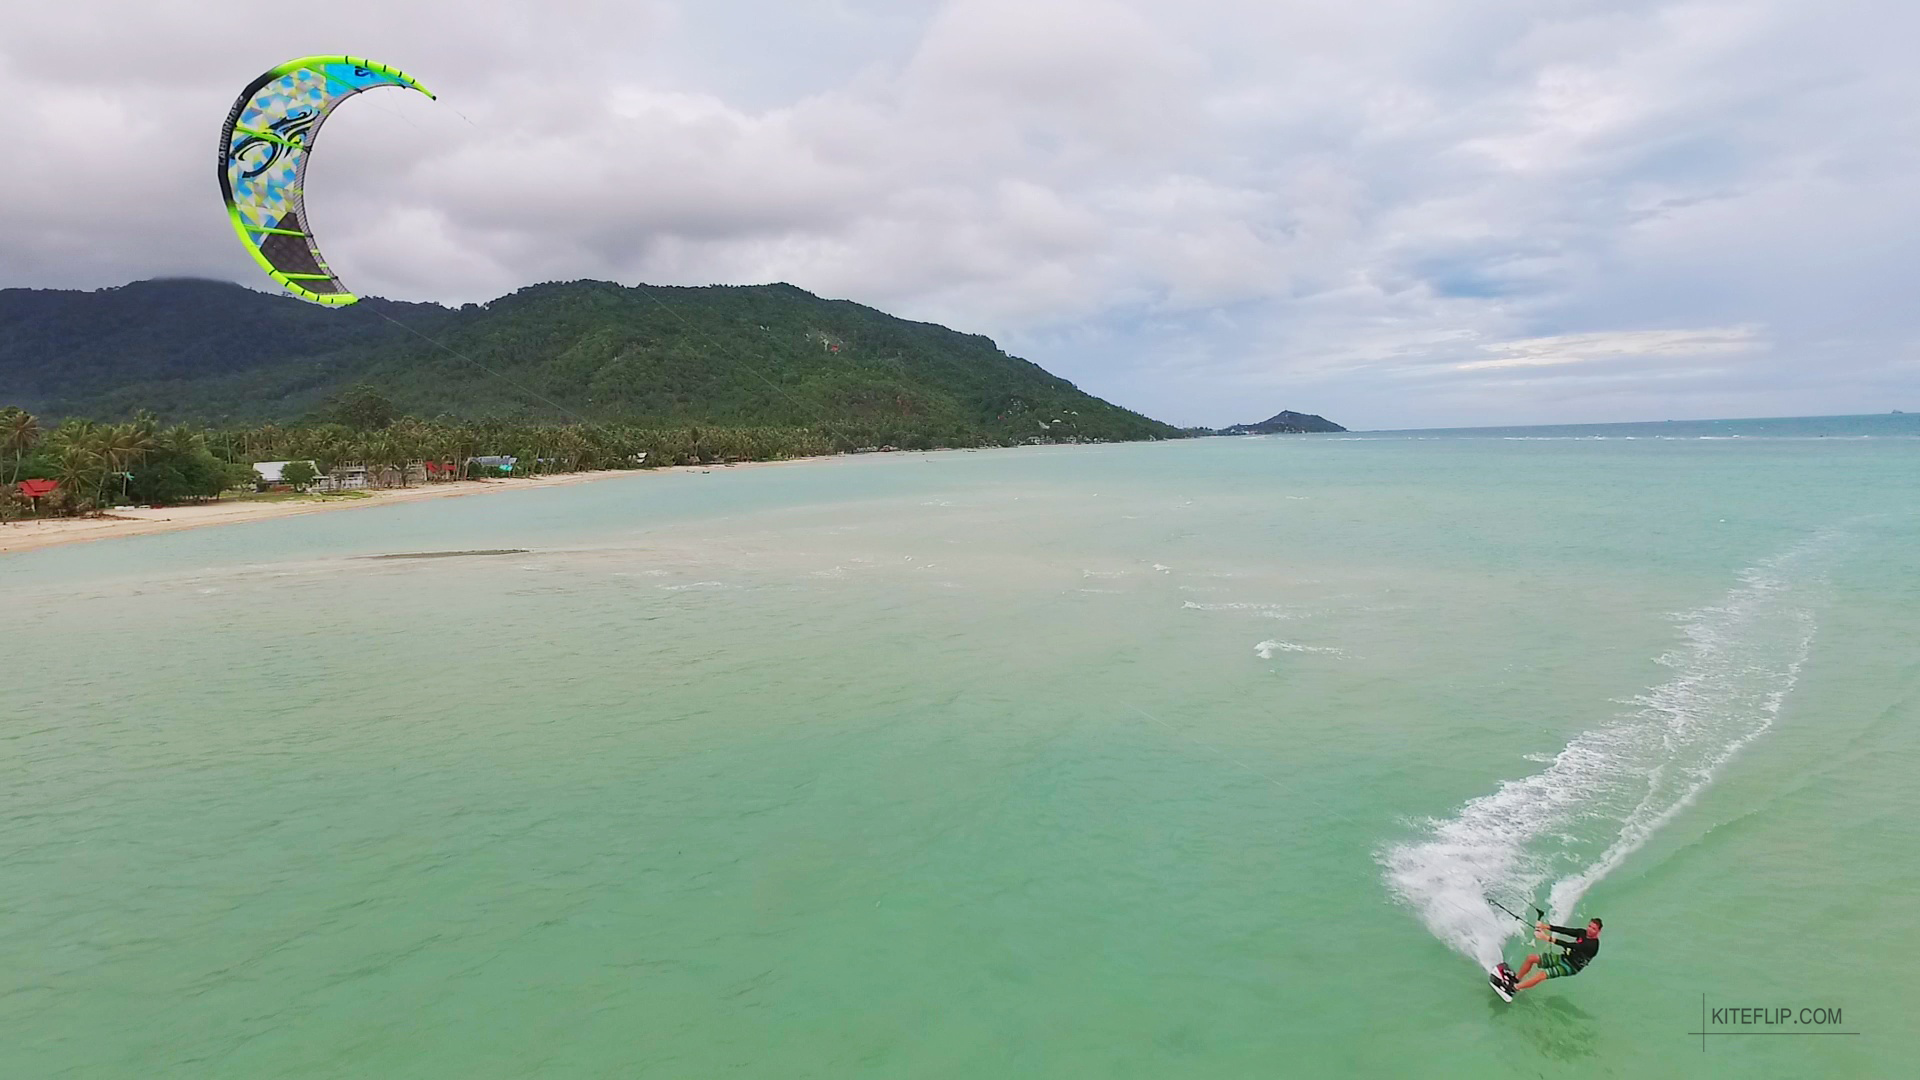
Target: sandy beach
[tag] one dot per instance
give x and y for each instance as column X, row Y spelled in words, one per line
column 18, row 536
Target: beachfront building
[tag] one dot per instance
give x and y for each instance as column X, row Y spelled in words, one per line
column 388, row 476
column 352, row 477
column 359, row 477
column 271, row 474
column 494, row 463
column 35, row 490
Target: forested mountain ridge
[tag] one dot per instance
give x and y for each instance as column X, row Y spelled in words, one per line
column 772, row 355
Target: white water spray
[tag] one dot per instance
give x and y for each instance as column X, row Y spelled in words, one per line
column 1610, row 789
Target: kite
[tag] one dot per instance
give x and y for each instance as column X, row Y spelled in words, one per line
column 263, row 163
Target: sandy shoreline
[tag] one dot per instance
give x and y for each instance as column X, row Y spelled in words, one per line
column 18, row 536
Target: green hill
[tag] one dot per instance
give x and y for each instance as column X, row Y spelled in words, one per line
column 761, row 355
column 1286, row 422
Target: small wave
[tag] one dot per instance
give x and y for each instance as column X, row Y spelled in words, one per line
column 694, row 585
column 1266, row 649
column 1264, row 611
column 448, row 554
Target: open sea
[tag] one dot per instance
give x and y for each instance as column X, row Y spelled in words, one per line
column 1192, row 759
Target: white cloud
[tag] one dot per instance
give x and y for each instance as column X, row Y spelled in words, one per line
column 1563, row 349
column 1398, row 213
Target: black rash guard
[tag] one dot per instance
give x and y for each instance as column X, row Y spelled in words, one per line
column 1579, row 950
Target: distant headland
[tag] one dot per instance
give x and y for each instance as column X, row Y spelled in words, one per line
column 1285, row 422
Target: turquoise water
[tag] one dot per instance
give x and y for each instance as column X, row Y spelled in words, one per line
column 1182, row 759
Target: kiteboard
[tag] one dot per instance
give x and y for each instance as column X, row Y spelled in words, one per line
column 1502, row 981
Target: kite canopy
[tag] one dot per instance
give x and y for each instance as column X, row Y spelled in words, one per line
column 263, row 163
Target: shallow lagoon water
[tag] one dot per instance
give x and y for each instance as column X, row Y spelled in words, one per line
column 1049, row 762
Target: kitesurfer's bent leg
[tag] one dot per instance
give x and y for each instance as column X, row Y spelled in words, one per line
column 1528, row 966
column 1552, row 967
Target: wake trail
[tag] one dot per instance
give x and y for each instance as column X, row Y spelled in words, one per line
column 1610, row 789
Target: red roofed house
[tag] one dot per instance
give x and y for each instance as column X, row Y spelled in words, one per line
column 34, row 489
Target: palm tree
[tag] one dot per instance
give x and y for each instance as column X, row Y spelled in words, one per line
column 405, row 440
column 19, row 432
column 181, row 440
column 327, row 448
column 81, row 469
column 440, row 443
column 125, row 445
column 382, row 452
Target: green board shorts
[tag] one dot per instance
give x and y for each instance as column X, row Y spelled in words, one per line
column 1558, row 966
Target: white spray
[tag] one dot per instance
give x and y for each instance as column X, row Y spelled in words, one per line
column 1602, row 797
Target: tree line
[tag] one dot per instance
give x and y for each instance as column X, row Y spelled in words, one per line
column 97, row 465
column 140, row 462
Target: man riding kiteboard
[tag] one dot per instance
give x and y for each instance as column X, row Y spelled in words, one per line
column 1577, row 950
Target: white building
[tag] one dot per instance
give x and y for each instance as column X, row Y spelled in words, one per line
column 274, row 472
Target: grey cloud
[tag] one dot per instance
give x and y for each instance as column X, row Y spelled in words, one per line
column 1184, row 206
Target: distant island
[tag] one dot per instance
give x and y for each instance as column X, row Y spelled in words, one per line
column 1285, row 422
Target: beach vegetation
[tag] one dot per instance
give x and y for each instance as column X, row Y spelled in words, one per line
column 19, row 433
column 299, row 474
column 102, row 465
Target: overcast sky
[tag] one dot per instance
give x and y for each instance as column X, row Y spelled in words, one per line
column 1397, row 213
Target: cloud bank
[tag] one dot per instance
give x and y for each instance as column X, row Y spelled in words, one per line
column 1395, row 214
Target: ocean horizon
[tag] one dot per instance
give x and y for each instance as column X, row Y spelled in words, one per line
column 1893, row 424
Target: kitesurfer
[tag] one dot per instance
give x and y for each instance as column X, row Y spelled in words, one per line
column 1578, row 949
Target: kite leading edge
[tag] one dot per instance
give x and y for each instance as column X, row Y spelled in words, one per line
column 264, row 147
